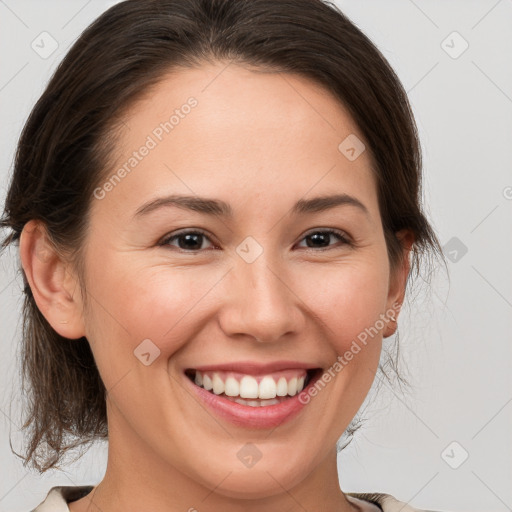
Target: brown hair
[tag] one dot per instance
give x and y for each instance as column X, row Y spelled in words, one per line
column 69, row 138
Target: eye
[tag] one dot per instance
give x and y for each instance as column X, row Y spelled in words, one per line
column 322, row 237
column 192, row 240
column 188, row 241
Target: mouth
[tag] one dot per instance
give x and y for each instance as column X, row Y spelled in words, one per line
column 250, row 390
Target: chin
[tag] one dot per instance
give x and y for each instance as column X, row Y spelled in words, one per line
column 260, row 481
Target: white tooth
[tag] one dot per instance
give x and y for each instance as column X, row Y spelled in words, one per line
column 198, row 379
column 232, row 387
column 292, row 386
column 300, row 384
column 218, row 384
column 282, row 387
column 248, row 387
column 207, row 382
column 267, row 387
column 254, row 403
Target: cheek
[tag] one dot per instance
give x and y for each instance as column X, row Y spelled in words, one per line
column 348, row 298
column 133, row 303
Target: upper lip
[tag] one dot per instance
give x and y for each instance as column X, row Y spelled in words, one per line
column 254, row 368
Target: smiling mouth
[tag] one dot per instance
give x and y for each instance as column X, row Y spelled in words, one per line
column 254, row 390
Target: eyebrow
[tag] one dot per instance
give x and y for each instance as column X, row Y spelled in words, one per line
column 219, row 208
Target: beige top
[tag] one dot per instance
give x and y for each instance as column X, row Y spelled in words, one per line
column 58, row 498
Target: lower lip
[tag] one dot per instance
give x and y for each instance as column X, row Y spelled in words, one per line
column 268, row 416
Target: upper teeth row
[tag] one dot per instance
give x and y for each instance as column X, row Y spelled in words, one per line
column 248, row 386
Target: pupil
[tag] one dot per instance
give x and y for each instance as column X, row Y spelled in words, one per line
column 320, row 236
column 190, row 237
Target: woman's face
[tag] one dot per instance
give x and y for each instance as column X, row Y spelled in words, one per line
column 261, row 285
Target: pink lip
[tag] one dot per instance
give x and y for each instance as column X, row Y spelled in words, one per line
column 253, row 368
column 269, row 416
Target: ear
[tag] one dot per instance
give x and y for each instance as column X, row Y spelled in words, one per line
column 398, row 281
column 53, row 284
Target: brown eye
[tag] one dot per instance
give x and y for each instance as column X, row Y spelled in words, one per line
column 321, row 238
column 187, row 240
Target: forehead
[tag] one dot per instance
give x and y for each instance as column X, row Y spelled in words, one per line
column 225, row 131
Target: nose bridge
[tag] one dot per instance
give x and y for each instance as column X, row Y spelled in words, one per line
column 262, row 306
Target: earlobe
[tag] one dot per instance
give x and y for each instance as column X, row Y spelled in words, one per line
column 398, row 282
column 53, row 285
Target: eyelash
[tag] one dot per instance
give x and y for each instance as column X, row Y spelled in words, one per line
column 328, row 231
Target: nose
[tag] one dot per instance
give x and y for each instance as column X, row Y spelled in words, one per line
column 259, row 302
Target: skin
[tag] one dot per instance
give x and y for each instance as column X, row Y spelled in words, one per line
column 259, row 141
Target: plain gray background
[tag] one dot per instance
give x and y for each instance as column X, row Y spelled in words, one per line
column 455, row 343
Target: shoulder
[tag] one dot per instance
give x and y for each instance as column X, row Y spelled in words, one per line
column 58, row 498
column 387, row 502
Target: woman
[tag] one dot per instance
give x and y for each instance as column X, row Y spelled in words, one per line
column 217, row 205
